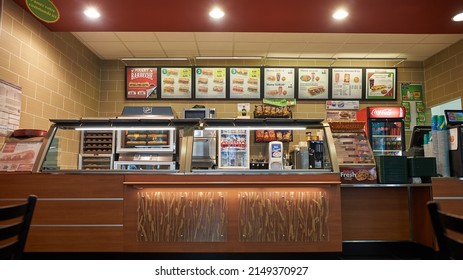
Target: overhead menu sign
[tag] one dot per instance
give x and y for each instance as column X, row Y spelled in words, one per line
column 44, row 10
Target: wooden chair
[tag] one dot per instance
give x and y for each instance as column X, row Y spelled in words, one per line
column 15, row 221
column 446, row 226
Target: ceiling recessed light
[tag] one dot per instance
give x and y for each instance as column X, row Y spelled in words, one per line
column 216, row 13
column 92, row 13
column 458, row 17
column 340, row 14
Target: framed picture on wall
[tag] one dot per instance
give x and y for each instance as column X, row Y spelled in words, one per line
column 346, row 83
column 210, row 82
column 176, row 83
column 313, row 83
column 381, row 83
column 141, row 83
column 279, row 82
column 245, row 83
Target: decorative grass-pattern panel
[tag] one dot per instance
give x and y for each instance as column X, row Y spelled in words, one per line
column 182, row 217
column 283, row 217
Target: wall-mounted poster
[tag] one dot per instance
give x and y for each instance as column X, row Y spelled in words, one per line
column 313, row 83
column 176, row 83
column 346, row 83
column 279, row 82
column 210, row 83
column 141, row 82
column 10, row 107
column 245, row 83
column 412, row 101
column 381, row 83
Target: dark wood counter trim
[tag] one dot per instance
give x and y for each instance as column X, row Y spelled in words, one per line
column 449, row 193
column 291, row 183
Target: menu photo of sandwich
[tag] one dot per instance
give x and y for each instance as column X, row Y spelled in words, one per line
column 176, row 82
column 245, row 83
column 210, row 83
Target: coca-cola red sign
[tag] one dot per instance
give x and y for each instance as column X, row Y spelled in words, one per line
column 387, row 112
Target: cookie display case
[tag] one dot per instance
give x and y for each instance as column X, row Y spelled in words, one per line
column 97, row 150
column 354, row 154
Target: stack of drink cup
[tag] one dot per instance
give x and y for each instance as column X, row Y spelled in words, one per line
column 439, row 140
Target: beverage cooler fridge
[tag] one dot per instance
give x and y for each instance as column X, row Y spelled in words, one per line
column 385, row 129
column 234, row 149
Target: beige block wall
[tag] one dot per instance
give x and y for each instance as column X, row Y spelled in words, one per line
column 443, row 73
column 59, row 76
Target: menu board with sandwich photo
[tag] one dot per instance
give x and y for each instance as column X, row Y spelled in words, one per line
column 141, row 82
column 346, row 83
column 313, row 83
column 176, row 83
column 210, row 83
column 245, row 83
column 279, row 82
column 381, row 83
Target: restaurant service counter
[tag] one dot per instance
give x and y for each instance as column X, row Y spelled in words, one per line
column 112, row 212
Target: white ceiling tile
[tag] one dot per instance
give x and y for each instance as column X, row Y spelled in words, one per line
column 405, row 38
column 184, row 53
column 137, row 36
column 214, row 36
column 215, row 52
column 254, row 37
column 442, row 38
column 176, row 36
column 291, row 37
column 182, row 44
column 249, row 53
column 179, row 46
column 239, row 46
column 350, row 55
column 287, row 47
column 97, row 36
column 366, row 38
column 321, row 48
column 142, row 46
column 394, row 48
column 353, row 48
column 104, row 49
column 317, row 55
column 217, row 46
column 383, row 55
column 328, row 38
column 426, row 49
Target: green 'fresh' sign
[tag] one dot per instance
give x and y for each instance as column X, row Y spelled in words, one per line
column 44, row 10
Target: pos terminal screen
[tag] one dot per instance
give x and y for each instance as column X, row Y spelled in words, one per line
column 454, row 117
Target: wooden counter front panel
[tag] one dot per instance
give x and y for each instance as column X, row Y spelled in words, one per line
column 74, row 213
column 20, row 185
column 75, row 239
column 449, row 193
column 232, row 241
column 375, row 214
